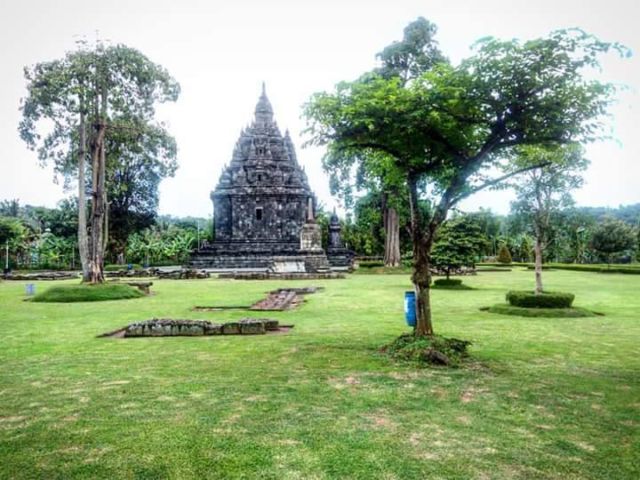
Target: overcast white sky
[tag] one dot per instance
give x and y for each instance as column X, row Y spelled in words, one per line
column 220, row 52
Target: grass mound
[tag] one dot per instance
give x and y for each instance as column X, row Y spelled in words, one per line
column 519, row 298
column 450, row 284
column 434, row 350
column 573, row 312
column 87, row 293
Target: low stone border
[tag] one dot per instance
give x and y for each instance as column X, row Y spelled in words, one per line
column 281, row 276
column 161, row 327
column 178, row 274
column 41, row 276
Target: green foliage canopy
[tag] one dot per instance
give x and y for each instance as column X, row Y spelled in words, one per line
column 613, row 236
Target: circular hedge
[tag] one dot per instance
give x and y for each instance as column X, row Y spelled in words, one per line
column 526, row 299
column 572, row 312
column 450, row 284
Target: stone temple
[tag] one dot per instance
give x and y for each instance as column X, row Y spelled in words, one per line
column 264, row 218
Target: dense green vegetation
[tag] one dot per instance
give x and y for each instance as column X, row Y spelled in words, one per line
column 539, row 397
column 87, row 293
column 46, row 238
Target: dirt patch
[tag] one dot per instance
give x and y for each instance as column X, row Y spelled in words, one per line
column 380, row 420
column 470, row 394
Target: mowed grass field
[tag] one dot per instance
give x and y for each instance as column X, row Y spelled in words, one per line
column 542, row 397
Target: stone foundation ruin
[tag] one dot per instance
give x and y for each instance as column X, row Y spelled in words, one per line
column 277, row 300
column 161, row 327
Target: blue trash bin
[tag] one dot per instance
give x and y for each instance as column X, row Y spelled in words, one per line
column 410, row 308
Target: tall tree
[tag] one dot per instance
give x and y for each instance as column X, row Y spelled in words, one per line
column 405, row 61
column 88, row 94
column 542, row 192
column 452, row 125
column 408, row 59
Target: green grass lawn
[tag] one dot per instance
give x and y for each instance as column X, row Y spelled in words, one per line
column 543, row 398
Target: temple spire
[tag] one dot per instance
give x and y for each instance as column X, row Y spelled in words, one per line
column 264, row 111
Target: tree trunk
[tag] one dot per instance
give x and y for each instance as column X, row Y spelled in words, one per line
column 96, row 260
column 391, row 236
column 99, row 193
column 421, row 276
column 538, row 264
column 83, row 240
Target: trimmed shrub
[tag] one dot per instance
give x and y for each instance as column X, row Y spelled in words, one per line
column 450, row 284
column 370, row 263
column 482, row 268
column 629, row 268
column 447, row 282
column 519, row 298
column 504, row 255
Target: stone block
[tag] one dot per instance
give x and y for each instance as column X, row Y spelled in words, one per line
column 231, row 328
column 270, row 325
column 196, row 330
column 157, row 330
column 134, row 330
column 212, row 329
column 252, row 327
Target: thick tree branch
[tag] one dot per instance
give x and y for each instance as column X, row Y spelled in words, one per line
column 495, row 181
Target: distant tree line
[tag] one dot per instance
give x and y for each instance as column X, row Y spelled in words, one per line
column 40, row 237
column 570, row 234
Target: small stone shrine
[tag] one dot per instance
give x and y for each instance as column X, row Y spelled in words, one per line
column 264, row 217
